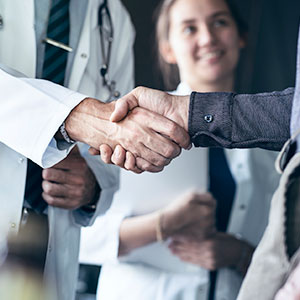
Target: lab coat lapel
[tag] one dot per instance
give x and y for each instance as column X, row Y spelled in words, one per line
column 23, row 56
column 83, row 49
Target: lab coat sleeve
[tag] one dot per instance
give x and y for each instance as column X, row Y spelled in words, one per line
column 100, row 243
column 31, row 112
column 107, row 177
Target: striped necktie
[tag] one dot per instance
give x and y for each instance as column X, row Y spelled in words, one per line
column 55, row 61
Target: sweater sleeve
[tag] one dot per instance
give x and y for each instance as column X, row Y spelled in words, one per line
column 240, row 121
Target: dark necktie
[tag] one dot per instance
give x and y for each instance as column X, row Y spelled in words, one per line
column 55, row 59
column 222, row 187
column 54, row 70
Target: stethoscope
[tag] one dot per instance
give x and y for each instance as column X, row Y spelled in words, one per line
column 103, row 13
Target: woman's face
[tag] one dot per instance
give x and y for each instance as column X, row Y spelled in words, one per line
column 203, row 40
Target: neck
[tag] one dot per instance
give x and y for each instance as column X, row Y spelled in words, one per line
column 225, row 85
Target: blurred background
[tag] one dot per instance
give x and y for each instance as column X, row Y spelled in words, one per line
column 267, row 64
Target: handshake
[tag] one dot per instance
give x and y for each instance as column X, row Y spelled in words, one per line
column 142, row 131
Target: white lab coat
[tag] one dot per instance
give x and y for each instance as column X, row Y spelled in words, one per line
column 148, row 273
column 27, row 127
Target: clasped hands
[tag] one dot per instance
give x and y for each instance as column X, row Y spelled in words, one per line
column 143, row 131
column 189, row 225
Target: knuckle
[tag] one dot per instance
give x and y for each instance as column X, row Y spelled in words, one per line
column 46, row 173
column 50, row 200
column 138, row 90
column 159, row 161
column 173, row 129
column 154, row 169
column 171, row 151
column 80, row 181
column 143, row 165
column 47, row 187
column 75, row 193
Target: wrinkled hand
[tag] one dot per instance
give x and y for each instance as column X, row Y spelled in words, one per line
column 172, row 107
column 291, row 289
column 149, row 136
column 193, row 213
column 70, row 184
column 221, row 250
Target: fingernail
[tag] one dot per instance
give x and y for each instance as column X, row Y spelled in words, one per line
column 117, row 152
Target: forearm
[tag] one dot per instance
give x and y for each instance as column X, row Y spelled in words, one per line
column 137, row 232
column 241, row 121
column 88, row 121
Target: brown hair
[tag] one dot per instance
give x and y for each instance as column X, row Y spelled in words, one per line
column 170, row 72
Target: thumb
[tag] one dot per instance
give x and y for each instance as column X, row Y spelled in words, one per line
column 122, row 107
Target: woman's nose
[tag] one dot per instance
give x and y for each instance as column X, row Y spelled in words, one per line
column 206, row 36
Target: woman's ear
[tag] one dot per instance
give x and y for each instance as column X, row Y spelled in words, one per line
column 167, row 52
column 243, row 41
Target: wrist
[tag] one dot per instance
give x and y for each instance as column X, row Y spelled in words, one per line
column 178, row 110
column 159, row 232
column 183, row 109
column 166, row 224
column 83, row 115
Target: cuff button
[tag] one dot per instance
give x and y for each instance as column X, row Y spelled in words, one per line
column 208, row 118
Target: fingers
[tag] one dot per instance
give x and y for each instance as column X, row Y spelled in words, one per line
column 61, row 176
column 173, row 131
column 201, row 254
column 127, row 160
column 166, row 135
column 61, row 202
column 106, row 153
column 144, row 165
column 62, row 195
column 118, row 157
column 195, row 197
column 143, row 140
column 130, row 164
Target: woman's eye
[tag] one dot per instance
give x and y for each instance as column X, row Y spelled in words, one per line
column 189, row 30
column 220, row 23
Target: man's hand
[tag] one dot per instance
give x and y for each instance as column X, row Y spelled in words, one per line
column 149, row 136
column 192, row 214
column 221, row 250
column 70, row 184
column 172, row 107
column 175, row 108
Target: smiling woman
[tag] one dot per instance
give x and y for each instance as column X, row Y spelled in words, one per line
column 202, row 40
